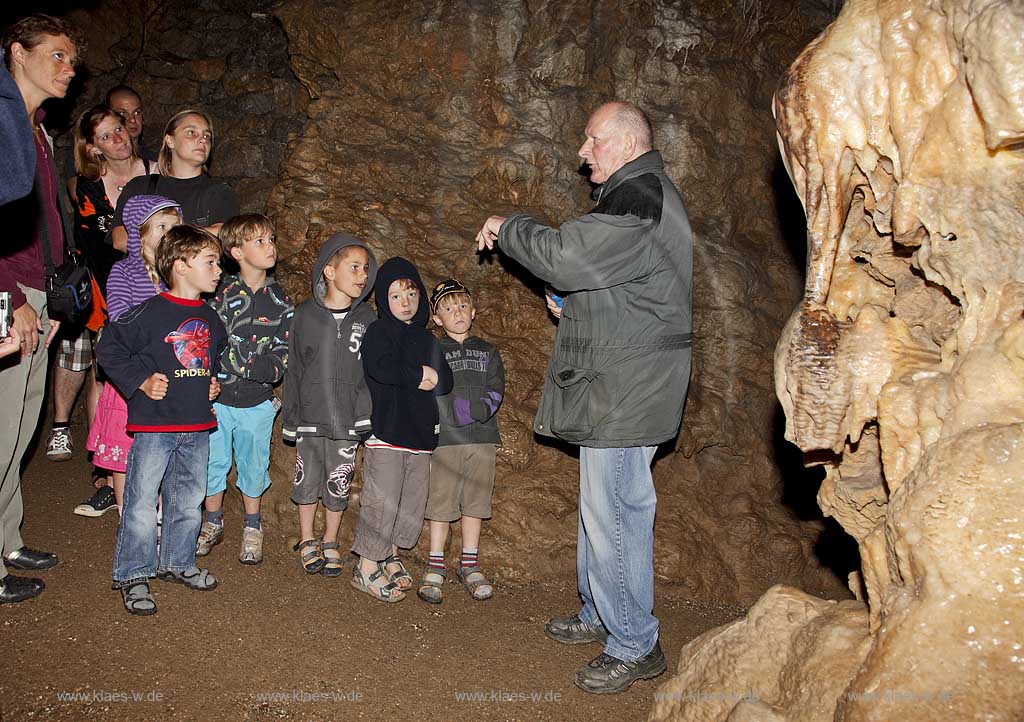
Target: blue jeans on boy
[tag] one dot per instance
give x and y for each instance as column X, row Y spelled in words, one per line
column 248, row 432
column 615, row 548
column 173, row 466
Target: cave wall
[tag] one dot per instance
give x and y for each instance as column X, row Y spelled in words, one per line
column 427, row 117
column 408, row 123
column 226, row 57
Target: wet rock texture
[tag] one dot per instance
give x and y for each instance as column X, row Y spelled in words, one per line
column 903, row 367
column 226, row 57
column 426, row 117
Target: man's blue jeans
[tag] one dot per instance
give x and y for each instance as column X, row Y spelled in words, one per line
column 615, row 547
column 173, row 466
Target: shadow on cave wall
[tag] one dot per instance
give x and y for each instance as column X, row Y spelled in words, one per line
column 790, row 213
column 834, row 548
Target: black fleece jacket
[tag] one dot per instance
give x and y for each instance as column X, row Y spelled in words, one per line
column 394, row 354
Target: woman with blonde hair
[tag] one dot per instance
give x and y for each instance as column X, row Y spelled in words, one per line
column 183, row 161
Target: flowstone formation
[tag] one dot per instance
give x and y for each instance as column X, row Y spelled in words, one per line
column 427, row 117
column 902, row 372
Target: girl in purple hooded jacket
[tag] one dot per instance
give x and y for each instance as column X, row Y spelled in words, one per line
column 131, row 281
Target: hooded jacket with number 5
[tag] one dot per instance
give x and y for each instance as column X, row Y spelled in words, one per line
column 325, row 392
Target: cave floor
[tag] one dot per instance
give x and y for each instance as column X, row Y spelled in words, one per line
column 272, row 643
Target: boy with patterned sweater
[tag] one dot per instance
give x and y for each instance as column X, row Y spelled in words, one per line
column 258, row 315
column 462, row 466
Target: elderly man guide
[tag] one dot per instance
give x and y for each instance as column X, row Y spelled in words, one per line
column 617, row 379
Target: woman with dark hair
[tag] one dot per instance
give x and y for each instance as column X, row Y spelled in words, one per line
column 188, row 140
column 40, row 52
column 105, row 160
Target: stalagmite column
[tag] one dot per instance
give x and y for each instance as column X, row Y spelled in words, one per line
column 902, row 371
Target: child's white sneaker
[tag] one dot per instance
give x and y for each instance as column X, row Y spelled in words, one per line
column 209, row 535
column 252, row 546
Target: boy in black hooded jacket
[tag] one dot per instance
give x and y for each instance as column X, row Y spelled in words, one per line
column 405, row 370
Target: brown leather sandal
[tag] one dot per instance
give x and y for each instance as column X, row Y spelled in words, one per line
column 478, row 586
column 432, row 585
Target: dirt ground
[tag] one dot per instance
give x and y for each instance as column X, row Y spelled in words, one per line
column 272, row 643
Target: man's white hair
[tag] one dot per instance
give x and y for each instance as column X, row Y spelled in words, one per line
column 631, row 119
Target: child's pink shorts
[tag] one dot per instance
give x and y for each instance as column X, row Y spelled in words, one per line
column 108, row 440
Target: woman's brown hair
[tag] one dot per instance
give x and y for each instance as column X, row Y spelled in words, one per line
column 87, row 164
column 29, row 32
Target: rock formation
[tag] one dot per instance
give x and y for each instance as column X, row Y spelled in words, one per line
column 902, row 372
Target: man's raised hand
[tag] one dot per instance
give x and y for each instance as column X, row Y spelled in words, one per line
column 489, row 233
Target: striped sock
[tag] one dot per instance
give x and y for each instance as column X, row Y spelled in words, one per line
column 468, row 558
column 436, row 561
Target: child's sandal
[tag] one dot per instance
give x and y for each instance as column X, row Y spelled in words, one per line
column 311, row 556
column 377, row 585
column 138, row 600
column 194, row 578
column 333, row 563
column 475, row 582
column 432, row 585
column 401, row 578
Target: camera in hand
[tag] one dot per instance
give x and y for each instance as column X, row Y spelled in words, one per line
column 5, row 314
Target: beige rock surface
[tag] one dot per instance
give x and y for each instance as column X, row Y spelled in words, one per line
column 902, row 370
column 751, row 668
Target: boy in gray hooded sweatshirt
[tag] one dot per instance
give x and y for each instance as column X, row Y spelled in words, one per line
column 326, row 401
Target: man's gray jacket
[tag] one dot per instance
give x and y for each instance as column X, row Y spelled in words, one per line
column 621, row 364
